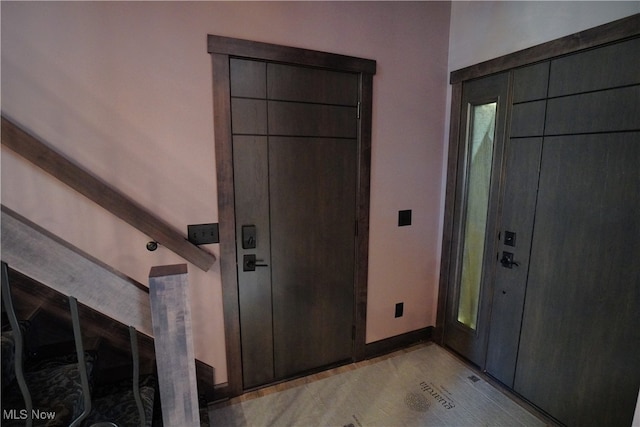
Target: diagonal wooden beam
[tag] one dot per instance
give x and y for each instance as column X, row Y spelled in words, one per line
column 101, row 193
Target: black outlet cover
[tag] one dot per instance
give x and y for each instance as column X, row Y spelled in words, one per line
column 404, row 218
column 399, row 309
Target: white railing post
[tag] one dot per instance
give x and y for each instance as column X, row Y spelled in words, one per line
column 175, row 358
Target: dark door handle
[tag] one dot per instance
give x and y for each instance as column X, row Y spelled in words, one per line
column 507, row 260
column 249, row 263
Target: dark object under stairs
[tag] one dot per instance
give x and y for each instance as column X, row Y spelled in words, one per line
column 60, row 378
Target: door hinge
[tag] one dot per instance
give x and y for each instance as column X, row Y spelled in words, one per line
column 358, row 111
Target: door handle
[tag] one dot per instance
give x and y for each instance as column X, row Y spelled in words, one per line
column 507, row 260
column 249, row 263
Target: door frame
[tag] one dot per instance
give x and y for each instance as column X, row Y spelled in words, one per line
column 608, row 33
column 221, row 49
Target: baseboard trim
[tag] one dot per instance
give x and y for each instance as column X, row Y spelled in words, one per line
column 388, row 345
column 221, row 392
column 205, row 378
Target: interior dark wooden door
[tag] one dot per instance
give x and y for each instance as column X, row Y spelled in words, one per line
column 295, row 173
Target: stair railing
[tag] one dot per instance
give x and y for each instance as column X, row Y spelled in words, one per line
column 82, row 366
column 83, row 373
column 19, row 352
column 133, row 334
column 175, row 358
column 99, row 192
column 19, row 344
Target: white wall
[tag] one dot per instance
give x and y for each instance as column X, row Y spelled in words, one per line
column 124, row 89
column 482, row 30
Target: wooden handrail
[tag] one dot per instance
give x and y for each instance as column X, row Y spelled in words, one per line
column 61, row 168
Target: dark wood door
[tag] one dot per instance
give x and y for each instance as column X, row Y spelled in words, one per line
column 564, row 314
column 578, row 355
column 483, row 113
column 295, row 171
column 516, row 220
column 561, row 279
column 579, row 346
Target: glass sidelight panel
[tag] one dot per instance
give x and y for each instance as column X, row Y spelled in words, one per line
column 480, row 142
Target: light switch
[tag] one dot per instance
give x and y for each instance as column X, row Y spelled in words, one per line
column 202, row 234
column 404, row 218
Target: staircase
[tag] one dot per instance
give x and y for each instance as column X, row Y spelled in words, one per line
column 69, row 271
column 68, row 365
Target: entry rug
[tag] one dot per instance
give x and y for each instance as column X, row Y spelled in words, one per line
column 425, row 387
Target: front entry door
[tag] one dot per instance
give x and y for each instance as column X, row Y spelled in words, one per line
column 295, row 159
column 483, row 114
column 553, row 310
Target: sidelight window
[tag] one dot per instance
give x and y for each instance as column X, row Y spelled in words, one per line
column 480, row 142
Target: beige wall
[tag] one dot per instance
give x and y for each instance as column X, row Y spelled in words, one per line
column 124, row 88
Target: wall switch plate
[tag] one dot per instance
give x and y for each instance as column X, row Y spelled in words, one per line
column 404, row 218
column 399, row 309
column 202, row 234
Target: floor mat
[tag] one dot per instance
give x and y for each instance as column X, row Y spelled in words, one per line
column 425, row 387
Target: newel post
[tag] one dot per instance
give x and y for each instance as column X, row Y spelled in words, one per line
column 175, row 358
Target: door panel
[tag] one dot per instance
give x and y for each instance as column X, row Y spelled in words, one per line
column 249, row 116
column 530, row 83
column 527, row 119
column 247, row 78
column 240, row 69
column 313, row 281
column 254, row 287
column 604, row 111
column 581, row 312
column 518, row 206
column 520, row 194
column 300, row 119
column 291, row 83
column 607, row 67
column 295, row 178
column 481, row 148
